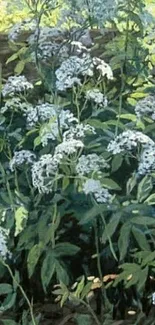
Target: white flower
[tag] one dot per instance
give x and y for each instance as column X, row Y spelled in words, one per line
column 20, row 157
column 127, row 141
column 40, row 113
column 78, row 131
column 94, row 187
column 96, row 96
column 44, row 171
column 91, row 163
column 71, row 69
column 147, row 160
column 15, row 31
column 69, row 147
column 103, row 67
column 16, row 84
column 4, row 252
column 146, row 107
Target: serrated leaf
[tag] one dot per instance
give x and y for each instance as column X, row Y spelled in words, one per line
column 21, row 216
column 131, row 183
column 12, row 58
column 65, row 182
column 48, row 269
column 143, row 275
column 150, row 200
column 65, row 249
column 144, row 188
column 83, row 319
column 131, row 117
column 140, row 238
column 33, row 257
column 124, row 240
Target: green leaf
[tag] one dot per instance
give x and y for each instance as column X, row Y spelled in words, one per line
column 37, row 141
column 150, row 200
column 110, row 184
column 33, row 257
column 65, row 182
column 21, row 216
column 61, row 272
column 65, row 249
column 144, row 188
column 144, row 221
column 8, row 322
column 12, row 58
column 48, row 269
column 140, row 238
column 131, row 117
column 86, row 290
column 131, row 183
column 124, row 240
column 91, row 214
column 9, row 302
column 143, row 275
column 116, row 162
column 79, row 287
column 83, row 319
column 19, row 67
column 5, row 288
column 111, row 227
column 148, row 259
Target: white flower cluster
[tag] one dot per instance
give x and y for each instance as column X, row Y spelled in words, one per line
column 4, row 252
column 69, row 146
column 40, row 113
column 127, row 141
column 94, row 187
column 98, row 10
column 146, row 107
column 74, row 67
column 97, row 97
column 17, row 29
column 44, row 172
column 78, row 131
column 15, row 103
column 21, row 157
column 147, row 160
column 91, row 163
column 16, row 84
column 49, row 43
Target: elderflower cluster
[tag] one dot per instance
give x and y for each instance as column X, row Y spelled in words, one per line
column 50, row 42
column 44, row 172
column 94, row 187
column 127, row 141
column 69, row 147
column 147, row 160
column 72, row 69
column 4, row 252
column 78, row 131
column 91, row 163
column 97, row 97
column 99, row 11
column 21, row 157
column 17, row 29
column 16, row 84
column 146, row 107
column 40, row 113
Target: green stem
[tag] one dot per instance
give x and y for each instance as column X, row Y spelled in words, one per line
column 91, row 311
column 22, row 292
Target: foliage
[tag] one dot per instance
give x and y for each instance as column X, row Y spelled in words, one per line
column 77, row 166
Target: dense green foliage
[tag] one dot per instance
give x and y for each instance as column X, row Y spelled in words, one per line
column 77, row 168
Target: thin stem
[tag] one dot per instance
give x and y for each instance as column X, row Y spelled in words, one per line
column 22, row 292
column 91, row 311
